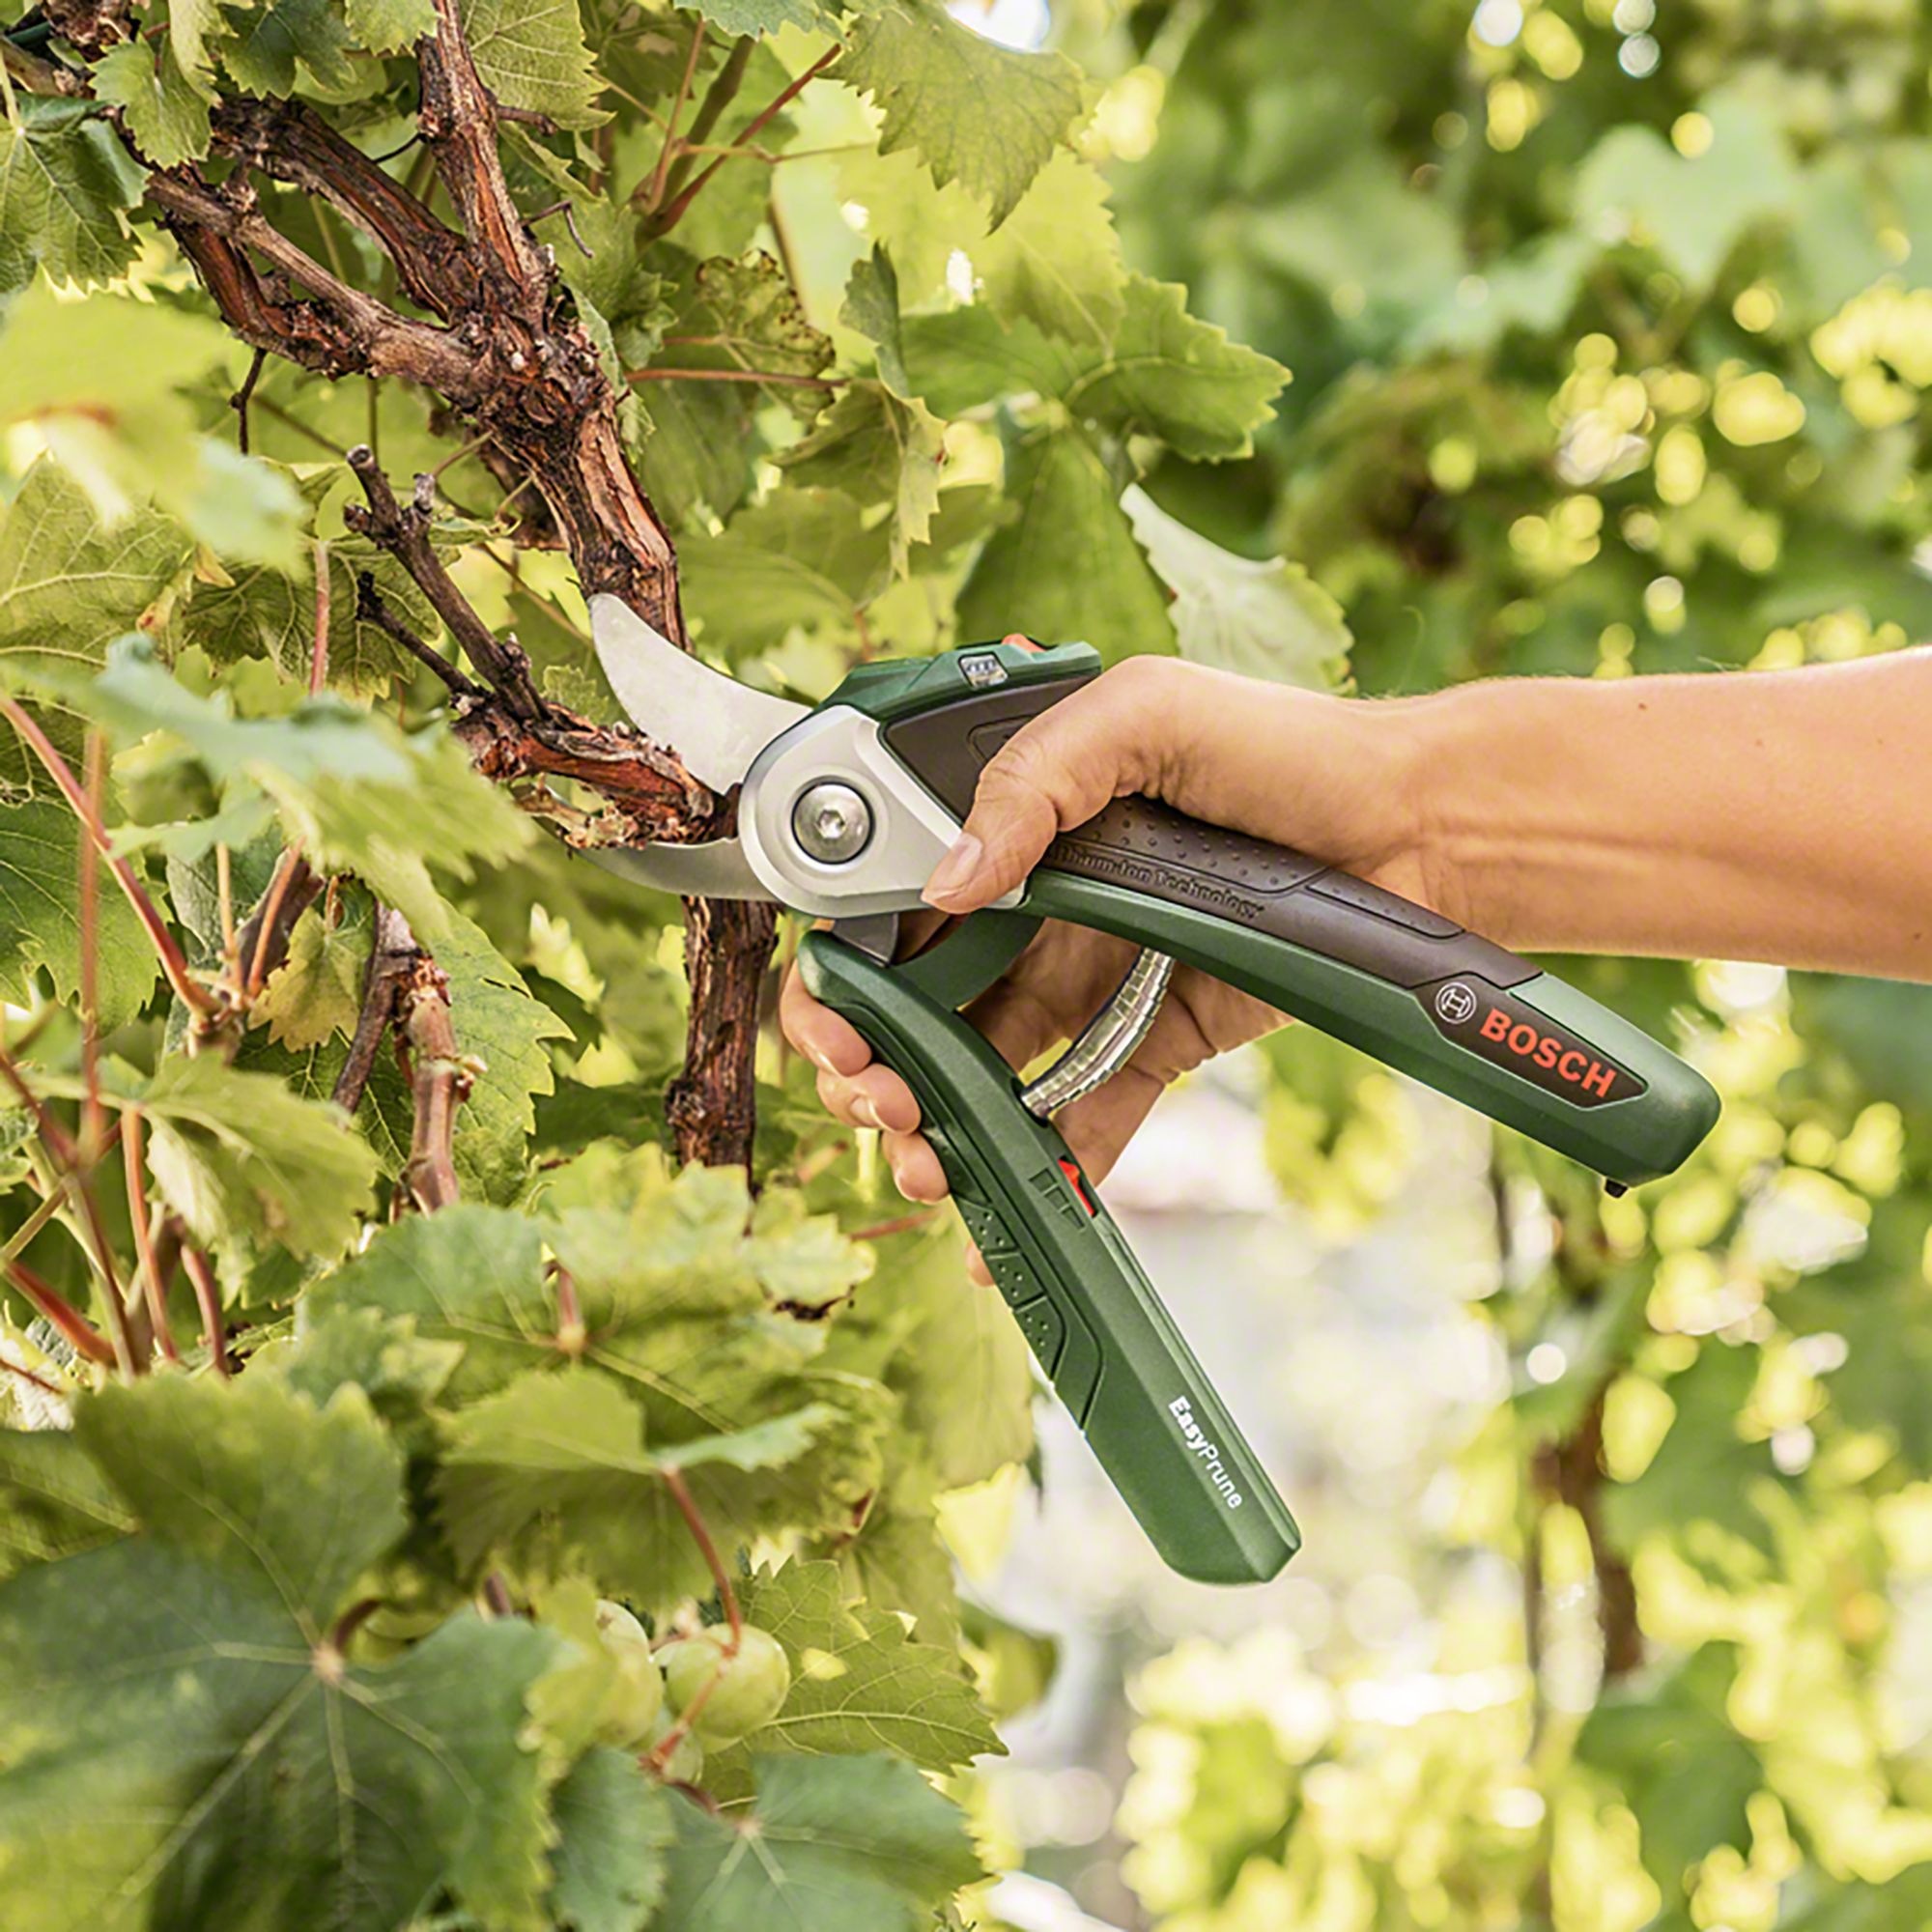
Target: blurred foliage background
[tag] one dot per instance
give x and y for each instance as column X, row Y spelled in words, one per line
column 1608, row 325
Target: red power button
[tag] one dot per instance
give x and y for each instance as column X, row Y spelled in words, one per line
column 1075, row 1181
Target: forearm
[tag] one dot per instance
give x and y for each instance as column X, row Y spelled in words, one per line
column 1783, row 817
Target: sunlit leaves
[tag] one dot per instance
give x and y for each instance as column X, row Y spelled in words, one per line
column 796, row 1859
column 1263, row 619
column 975, row 112
column 1055, row 260
column 166, row 113
column 532, row 55
column 65, row 185
column 40, row 914
column 858, row 1682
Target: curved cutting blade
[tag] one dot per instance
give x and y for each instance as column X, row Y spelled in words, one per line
column 714, row 724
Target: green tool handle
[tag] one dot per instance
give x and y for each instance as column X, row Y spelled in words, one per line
column 1099, row 1329
column 1394, row 979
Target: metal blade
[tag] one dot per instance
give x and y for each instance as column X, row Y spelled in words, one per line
column 716, row 871
column 715, row 725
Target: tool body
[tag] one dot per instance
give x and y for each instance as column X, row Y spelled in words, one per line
column 844, row 811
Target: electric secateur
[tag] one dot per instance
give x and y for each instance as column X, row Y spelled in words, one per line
column 844, row 811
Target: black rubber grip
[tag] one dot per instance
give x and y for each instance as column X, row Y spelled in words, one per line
column 1163, row 854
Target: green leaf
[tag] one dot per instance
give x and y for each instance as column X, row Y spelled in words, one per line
column 1055, row 260
column 53, row 1501
column 748, row 316
column 237, row 1154
column 99, row 379
column 40, row 914
column 270, row 43
column 317, row 990
column 399, row 1371
column 846, row 1844
column 859, row 1681
column 166, row 113
column 69, row 585
column 252, row 1776
column 65, row 185
column 1267, row 619
column 470, row 1275
column 1173, row 376
column 358, row 795
column 390, row 26
column 763, row 17
column 1679, row 1764
column 876, row 445
column 565, row 1452
column 531, row 54
column 1068, row 567
column 1634, row 186
column 803, row 559
column 986, row 116
column 615, row 1827
column 872, row 307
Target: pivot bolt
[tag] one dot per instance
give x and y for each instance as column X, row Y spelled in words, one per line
column 832, row 822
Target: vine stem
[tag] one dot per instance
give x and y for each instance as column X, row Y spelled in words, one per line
column 39, row 1382
column 318, row 663
column 86, row 1338
column 676, row 212
column 174, row 963
column 152, row 1283
column 785, row 378
column 668, row 150
column 92, row 1115
column 701, row 1534
column 208, row 1296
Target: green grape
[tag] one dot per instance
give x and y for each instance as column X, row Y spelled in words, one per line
column 637, row 1697
column 752, row 1681
column 686, row 1763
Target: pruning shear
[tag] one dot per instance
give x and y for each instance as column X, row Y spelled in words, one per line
column 844, row 810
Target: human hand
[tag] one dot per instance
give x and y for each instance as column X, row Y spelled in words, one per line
column 1287, row 765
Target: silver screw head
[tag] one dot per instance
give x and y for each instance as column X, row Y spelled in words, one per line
column 832, row 822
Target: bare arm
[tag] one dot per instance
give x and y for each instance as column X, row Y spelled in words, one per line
column 1783, row 817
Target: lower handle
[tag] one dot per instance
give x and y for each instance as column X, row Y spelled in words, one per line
column 1092, row 1317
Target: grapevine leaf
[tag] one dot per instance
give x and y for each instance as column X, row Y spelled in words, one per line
column 876, row 445
column 803, row 558
column 233, row 1723
column 859, row 1681
column 236, row 1153
column 398, row 1369
column 872, row 307
column 317, row 991
column 53, row 1501
column 470, row 1275
column 843, row 1844
column 1068, row 567
column 267, row 42
column 531, row 54
column 40, row 914
column 69, row 585
column 763, row 17
column 919, row 225
column 615, row 1827
column 968, row 357
column 166, row 113
column 65, row 185
column 973, row 111
column 564, row 1453
column 745, row 314
column 1056, row 260
column 1692, row 211
column 1171, row 374
column 390, row 26
column 1263, row 619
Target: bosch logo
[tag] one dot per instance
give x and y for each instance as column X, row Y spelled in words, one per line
column 1552, row 1054
column 1455, row 1002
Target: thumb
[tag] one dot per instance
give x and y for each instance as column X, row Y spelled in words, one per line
column 1052, row 775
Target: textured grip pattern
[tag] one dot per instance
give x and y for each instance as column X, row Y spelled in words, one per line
column 1162, row 854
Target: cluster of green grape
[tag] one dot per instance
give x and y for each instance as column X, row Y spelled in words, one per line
column 712, row 1687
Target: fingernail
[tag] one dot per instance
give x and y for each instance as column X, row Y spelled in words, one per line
column 868, row 1114
column 954, row 872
